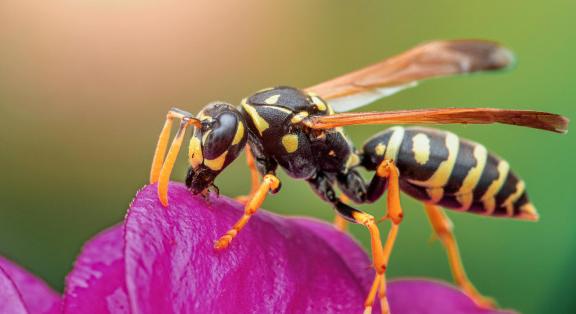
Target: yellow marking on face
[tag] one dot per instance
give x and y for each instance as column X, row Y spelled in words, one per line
column 421, row 148
column 205, row 135
column 353, row 161
column 259, row 122
column 442, row 174
column 529, row 212
column 394, row 143
column 272, row 100
column 464, row 195
column 195, row 152
column 319, row 103
column 488, row 198
column 290, row 142
column 239, row 133
column 216, row 163
column 380, row 149
column 509, row 202
column 297, row 118
column 312, row 94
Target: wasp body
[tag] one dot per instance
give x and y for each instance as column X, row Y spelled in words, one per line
column 301, row 132
column 440, row 168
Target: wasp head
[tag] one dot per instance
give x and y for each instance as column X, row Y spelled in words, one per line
column 214, row 145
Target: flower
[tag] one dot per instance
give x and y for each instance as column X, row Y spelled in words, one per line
column 21, row 292
column 162, row 261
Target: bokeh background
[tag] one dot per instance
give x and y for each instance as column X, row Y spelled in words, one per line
column 85, row 85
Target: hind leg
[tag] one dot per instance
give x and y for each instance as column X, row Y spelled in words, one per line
column 442, row 226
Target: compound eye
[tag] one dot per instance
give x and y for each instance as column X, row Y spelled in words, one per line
column 219, row 135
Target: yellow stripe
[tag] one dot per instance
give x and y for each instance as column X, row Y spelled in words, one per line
column 205, row 136
column 394, row 143
column 279, row 109
column 272, row 100
column 528, row 212
column 353, row 161
column 195, row 152
column 297, row 118
column 488, row 198
column 319, row 103
column 216, row 163
column 239, row 133
column 435, row 184
column 509, row 202
column 465, row 195
column 290, row 142
column 421, row 148
column 259, row 122
column 380, row 149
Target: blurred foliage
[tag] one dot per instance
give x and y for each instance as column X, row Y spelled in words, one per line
column 84, row 86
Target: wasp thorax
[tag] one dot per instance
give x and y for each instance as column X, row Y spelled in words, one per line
column 215, row 144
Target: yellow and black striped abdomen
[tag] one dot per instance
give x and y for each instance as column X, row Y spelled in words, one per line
column 439, row 167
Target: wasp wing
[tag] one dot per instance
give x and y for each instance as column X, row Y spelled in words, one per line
column 429, row 60
column 533, row 119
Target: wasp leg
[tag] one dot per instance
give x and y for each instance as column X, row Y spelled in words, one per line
column 443, row 226
column 162, row 167
column 379, row 258
column 323, row 187
column 387, row 174
column 270, row 183
column 339, row 222
column 388, row 171
column 254, row 175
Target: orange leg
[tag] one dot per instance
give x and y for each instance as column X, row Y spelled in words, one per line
column 254, row 175
column 443, row 228
column 269, row 183
column 339, row 222
column 384, row 306
column 162, row 167
column 388, row 170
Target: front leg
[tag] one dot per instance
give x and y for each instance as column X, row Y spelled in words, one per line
column 270, row 183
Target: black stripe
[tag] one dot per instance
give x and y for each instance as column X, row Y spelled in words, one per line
column 507, row 189
column 488, row 176
column 523, row 200
column 465, row 161
column 369, row 159
column 407, row 164
column 416, row 192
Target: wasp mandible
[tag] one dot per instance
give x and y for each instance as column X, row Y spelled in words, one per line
column 300, row 130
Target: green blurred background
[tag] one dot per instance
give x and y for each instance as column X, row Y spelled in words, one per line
column 85, row 85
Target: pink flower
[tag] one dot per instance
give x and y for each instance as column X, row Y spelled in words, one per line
column 162, row 261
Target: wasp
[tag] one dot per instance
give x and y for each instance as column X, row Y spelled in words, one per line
column 300, row 131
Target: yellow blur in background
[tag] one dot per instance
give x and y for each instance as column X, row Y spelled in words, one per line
column 85, row 85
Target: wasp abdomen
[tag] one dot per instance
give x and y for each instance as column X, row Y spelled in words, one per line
column 438, row 167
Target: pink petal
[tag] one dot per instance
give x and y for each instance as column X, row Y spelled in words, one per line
column 424, row 296
column 96, row 284
column 21, row 292
column 10, row 300
column 275, row 265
